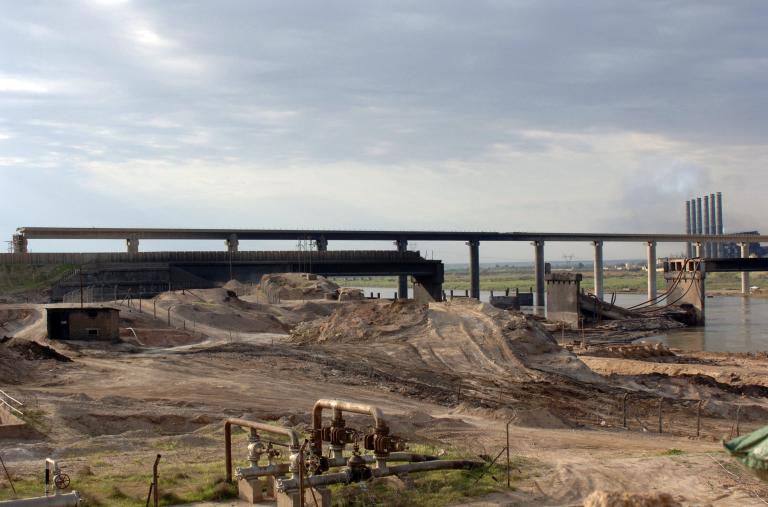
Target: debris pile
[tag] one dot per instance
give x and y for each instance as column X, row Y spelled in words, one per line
column 301, row 286
column 641, row 351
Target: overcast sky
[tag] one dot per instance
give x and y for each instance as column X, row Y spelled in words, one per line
column 593, row 116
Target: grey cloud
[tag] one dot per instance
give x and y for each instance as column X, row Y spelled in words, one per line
column 393, row 83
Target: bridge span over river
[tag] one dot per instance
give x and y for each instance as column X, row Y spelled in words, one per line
column 400, row 238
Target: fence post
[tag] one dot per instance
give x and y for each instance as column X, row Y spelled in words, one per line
column 508, row 454
column 624, row 409
column 661, row 399
column 698, row 418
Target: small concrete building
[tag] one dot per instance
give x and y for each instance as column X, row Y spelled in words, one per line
column 75, row 323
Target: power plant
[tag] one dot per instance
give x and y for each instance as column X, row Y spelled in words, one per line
column 704, row 216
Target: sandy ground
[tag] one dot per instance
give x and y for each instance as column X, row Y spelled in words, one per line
column 448, row 374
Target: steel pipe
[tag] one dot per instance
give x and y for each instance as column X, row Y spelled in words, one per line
column 335, row 462
column 339, row 406
column 266, row 428
column 346, row 475
column 66, row 500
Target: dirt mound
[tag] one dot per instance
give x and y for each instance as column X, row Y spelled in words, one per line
column 465, row 338
column 207, row 310
column 365, row 321
column 115, row 424
column 12, row 320
column 621, row 499
column 302, row 286
column 234, row 285
column 642, row 351
column 33, row 351
column 351, row 294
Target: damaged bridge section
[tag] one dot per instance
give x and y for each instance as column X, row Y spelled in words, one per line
column 145, row 274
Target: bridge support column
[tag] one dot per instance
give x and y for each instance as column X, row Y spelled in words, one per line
column 474, row 269
column 598, row 269
column 745, row 274
column 538, row 269
column 322, row 244
column 402, row 280
column 19, row 243
column 699, row 251
column 132, row 244
column 233, row 244
column 651, row 247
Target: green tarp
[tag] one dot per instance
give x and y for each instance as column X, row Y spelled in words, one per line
column 752, row 451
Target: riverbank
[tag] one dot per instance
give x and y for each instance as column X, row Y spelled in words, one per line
column 499, row 279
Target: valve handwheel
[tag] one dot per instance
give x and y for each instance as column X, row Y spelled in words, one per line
column 61, row 481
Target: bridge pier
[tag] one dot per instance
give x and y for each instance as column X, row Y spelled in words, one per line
column 19, row 243
column 538, row 268
column 651, row 270
column 744, row 274
column 232, row 243
column 474, row 269
column 322, row 244
column 132, row 244
column 402, row 280
column 598, row 269
column 699, row 253
column 686, row 287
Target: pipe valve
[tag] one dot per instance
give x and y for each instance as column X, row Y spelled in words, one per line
column 381, row 443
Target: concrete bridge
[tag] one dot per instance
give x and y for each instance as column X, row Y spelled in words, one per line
column 321, row 238
column 149, row 273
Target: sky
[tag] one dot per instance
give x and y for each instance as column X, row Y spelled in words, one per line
column 589, row 116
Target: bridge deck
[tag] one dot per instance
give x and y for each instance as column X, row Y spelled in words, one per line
column 365, row 235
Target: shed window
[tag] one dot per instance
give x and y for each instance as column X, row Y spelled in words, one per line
column 93, row 332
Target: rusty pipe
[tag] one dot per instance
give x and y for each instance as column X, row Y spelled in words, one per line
column 266, row 428
column 283, row 468
column 338, row 407
column 345, row 476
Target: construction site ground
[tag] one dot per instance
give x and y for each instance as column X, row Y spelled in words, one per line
column 449, row 375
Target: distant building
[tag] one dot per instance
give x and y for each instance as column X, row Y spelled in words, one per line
column 75, row 323
column 733, row 250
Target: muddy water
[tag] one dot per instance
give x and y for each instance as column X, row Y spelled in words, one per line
column 734, row 324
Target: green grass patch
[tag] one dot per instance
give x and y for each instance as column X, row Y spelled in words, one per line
column 499, row 279
column 22, row 277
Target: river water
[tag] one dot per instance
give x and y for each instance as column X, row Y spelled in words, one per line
column 734, row 323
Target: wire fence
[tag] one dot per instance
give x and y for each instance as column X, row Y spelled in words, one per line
column 674, row 416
